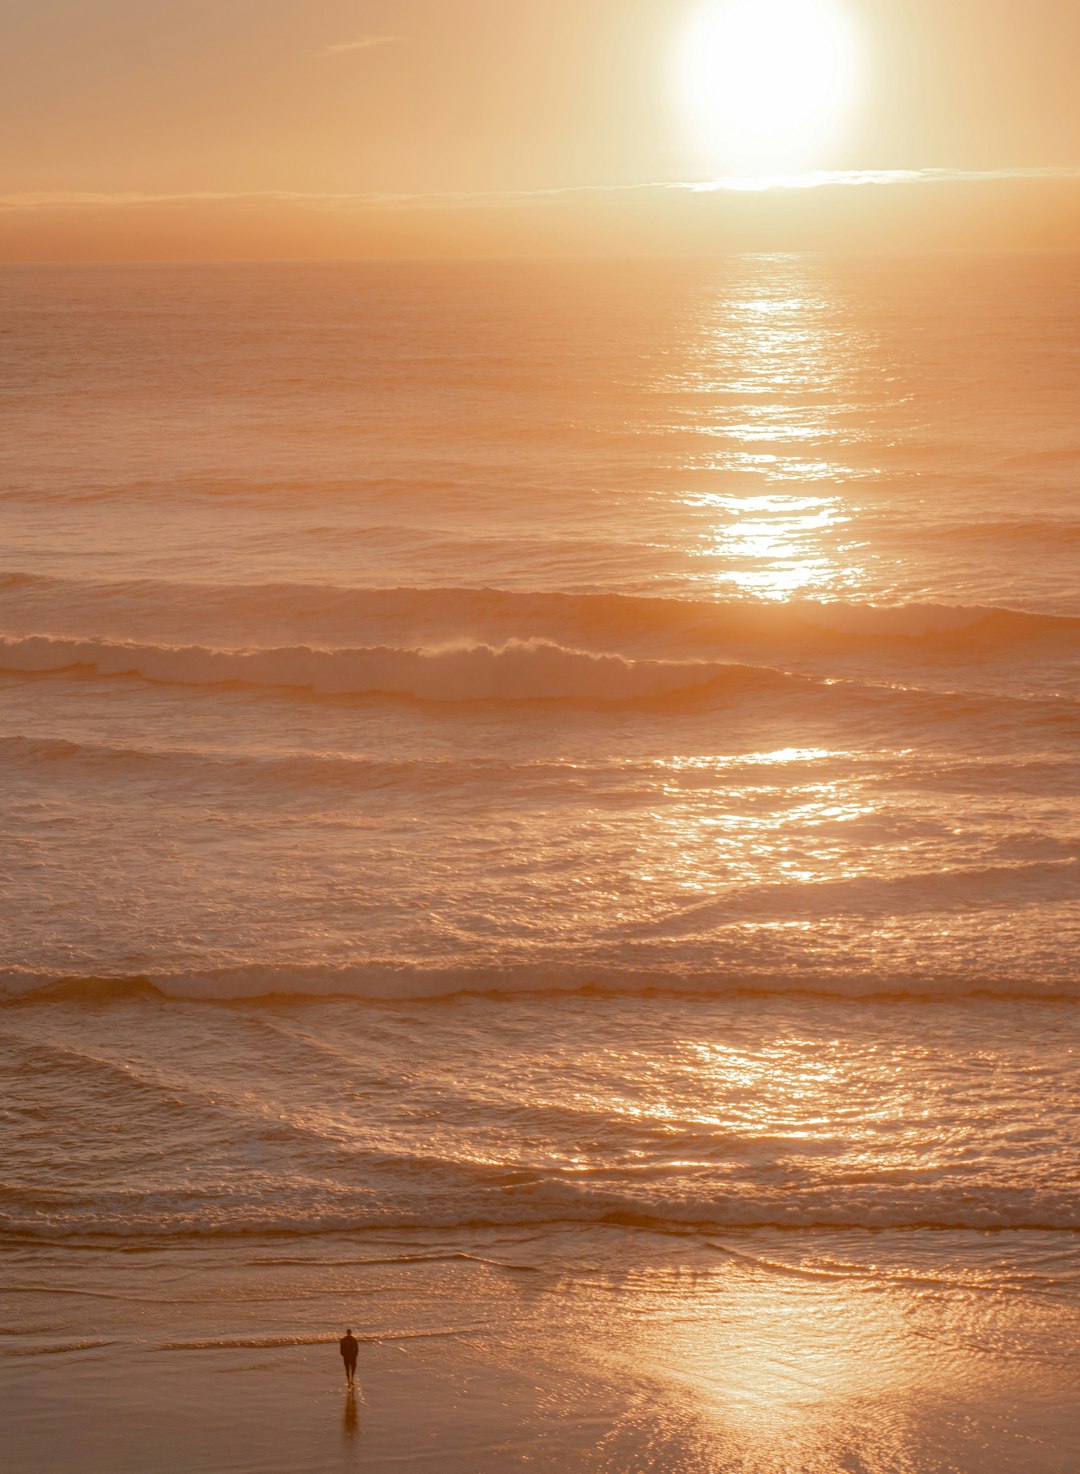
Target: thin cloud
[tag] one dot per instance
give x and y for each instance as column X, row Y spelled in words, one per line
column 821, row 178
column 855, row 178
column 361, row 43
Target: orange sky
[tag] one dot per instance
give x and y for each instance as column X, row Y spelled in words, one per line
column 225, row 128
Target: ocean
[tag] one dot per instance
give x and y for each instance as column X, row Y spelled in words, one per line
column 540, row 818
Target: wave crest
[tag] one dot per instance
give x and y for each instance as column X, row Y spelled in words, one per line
column 337, row 615
column 520, row 670
column 378, row 980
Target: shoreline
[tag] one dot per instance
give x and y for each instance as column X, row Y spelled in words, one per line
column 616, row 1352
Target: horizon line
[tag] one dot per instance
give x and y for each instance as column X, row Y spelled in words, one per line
column 32, row 201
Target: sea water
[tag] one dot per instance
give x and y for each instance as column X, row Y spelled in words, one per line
column 568, row 767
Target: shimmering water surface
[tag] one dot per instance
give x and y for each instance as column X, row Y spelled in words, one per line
column 572, row 766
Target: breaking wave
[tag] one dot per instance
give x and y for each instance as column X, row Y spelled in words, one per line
column 379, row 980
column 337, row 615
column 479, row 1201
column 525, row 671
column 517, row 671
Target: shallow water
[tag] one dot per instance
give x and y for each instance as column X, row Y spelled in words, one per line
column 295, row 1117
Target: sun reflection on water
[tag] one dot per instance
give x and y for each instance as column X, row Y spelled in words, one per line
column 776, row 375
column 791, row 1372
column 775, row 546
column 710, row 842
column 779, row 757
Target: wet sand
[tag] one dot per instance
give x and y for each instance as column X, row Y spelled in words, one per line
column 599, row 1351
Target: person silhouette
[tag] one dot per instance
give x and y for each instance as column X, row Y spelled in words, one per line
column 350, row 1348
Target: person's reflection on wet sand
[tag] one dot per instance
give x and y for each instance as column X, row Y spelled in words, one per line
column 350, row 1419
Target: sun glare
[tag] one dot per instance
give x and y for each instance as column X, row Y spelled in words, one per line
column 767, row 83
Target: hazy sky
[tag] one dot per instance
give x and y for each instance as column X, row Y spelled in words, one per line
column 249, row 98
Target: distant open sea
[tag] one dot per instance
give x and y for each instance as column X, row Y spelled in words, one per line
column 556, row 766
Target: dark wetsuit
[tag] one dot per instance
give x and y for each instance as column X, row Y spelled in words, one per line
column 350, row 1348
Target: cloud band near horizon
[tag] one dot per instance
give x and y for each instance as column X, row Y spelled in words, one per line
column 815, row 180
column 862, row 211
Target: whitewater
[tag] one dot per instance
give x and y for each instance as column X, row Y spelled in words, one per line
column 557, row 776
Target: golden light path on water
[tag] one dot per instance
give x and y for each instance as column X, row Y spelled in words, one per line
column 801, row 1371
column 778, row 368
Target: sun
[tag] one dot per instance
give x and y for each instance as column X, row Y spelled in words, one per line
column 767, row 83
